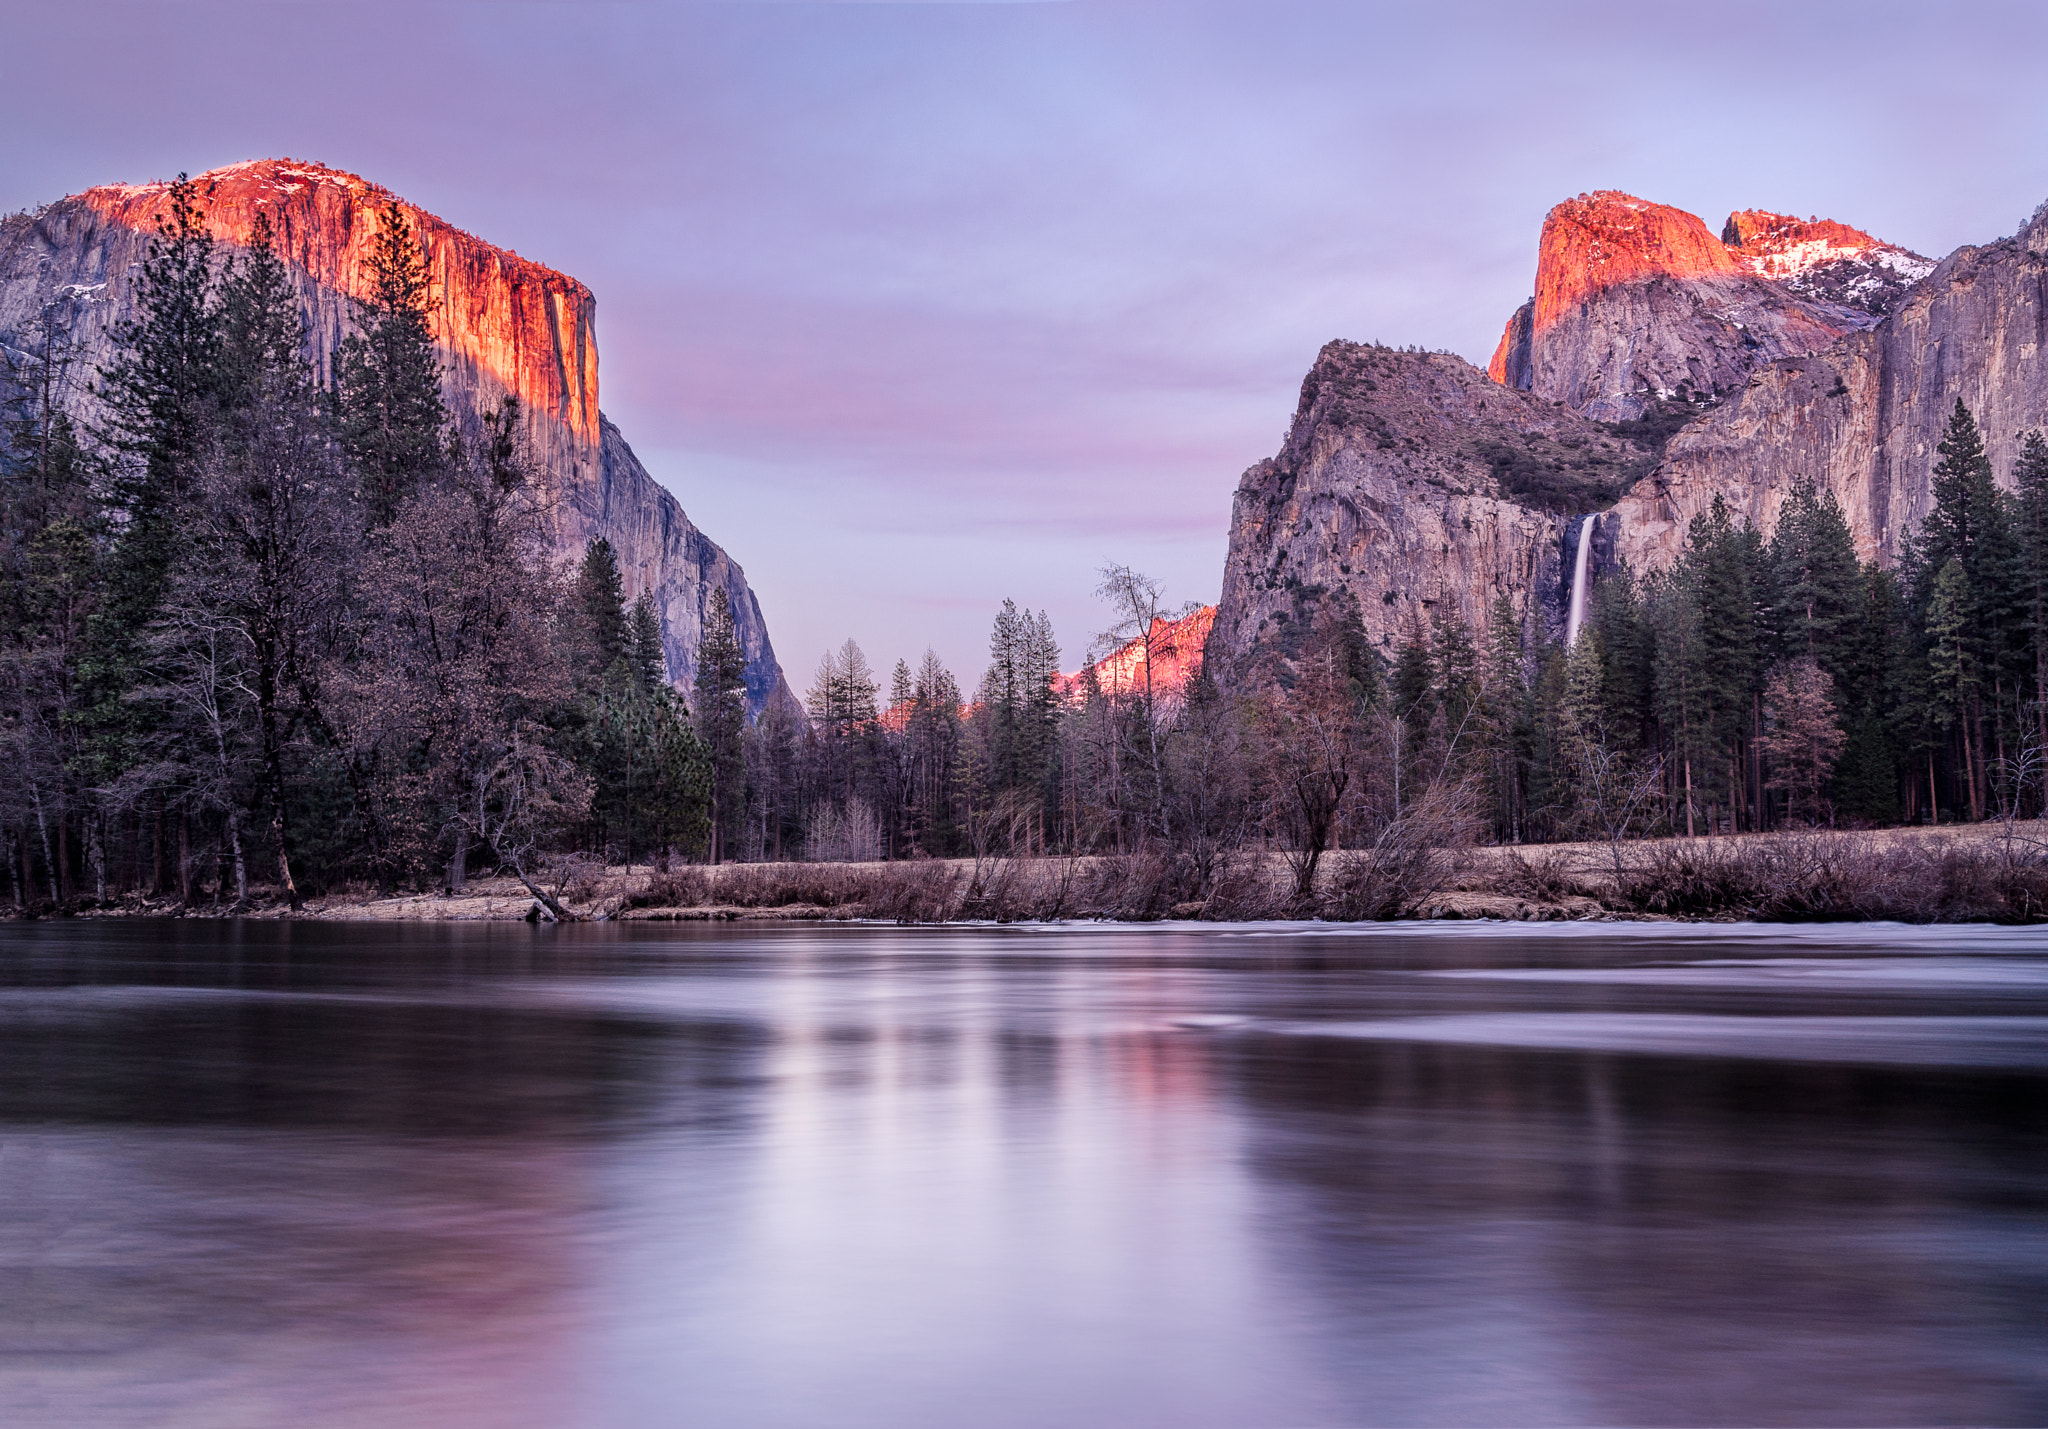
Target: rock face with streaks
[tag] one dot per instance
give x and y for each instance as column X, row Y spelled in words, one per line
column 1638, row 301
column 505, row 325
column 1862, row 417
column 1410, row 483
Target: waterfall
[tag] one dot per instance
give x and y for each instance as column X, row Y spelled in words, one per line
column 1576, row 616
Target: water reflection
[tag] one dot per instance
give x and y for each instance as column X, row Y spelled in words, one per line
column 628, row 1176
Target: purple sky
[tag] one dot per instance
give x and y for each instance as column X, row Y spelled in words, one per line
column 918, row 306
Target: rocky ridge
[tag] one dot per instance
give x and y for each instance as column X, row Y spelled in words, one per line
column 506, row 326
column 1863, row 416
column 1824, row 261
column 1409, row 482
column 1638, row 302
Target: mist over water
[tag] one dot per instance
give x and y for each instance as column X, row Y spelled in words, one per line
column 796, row 1175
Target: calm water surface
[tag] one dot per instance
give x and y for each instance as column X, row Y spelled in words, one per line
column 793, row 1175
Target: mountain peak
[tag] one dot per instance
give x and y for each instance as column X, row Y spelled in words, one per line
column 1600, row 239
column 532, row 328
column 1778, row 244
column 1823, row 260
column 1638, row 302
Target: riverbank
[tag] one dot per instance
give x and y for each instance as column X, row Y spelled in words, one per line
column 1976, row 873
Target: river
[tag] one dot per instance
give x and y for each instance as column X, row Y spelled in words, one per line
column 783, row 1174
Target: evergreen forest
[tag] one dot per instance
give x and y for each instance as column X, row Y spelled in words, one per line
column 272, row 628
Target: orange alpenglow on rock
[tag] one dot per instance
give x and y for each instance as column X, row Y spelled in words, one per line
column 1777, row 245
column 1638, row 302
column 504, row 326
column 531, row 328
column 1177, row 658
column 1822, row 260
column 1597, row 240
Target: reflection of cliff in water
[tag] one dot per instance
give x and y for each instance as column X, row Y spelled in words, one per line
column 1586, row 1237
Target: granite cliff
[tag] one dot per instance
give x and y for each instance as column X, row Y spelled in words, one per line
column 1862, row 417
column 1638, row 302
column 505, row 325
column 1410, row 483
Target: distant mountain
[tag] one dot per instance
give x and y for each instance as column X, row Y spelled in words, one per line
column 1172, row 647
column 505, row 324
column 1824, row 261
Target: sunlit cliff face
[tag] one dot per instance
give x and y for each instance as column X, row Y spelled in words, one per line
column 1176, row 657
column 1637, row 300
column 1598, row 240
column 1824, row 260
column 533, row 329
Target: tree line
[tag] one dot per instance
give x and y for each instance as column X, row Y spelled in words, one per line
column 1758, row 683
column 270, row 625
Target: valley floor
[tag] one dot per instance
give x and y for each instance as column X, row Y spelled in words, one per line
column 1983, row 872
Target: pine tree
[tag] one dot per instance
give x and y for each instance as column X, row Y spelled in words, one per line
column 1582, row 712
column 1720, row 572
column 162, row 394
column 1414, row 682
column 1004, row 698
column 52, row 579
column 842, row 696
column 933, row 734
column 390, row 416
column 1626, row 652
column 1412, row 687
column 649, row 658
column 162, row 399
column 262, row 336
column 601, row 597
column 1041, row 712
column 266, row 551
column 1963, row 499
column 1970, row 524
column 2030, row 476
column 1954, row 673
column 653, row 775
column 1019, row 714
column 1548, row 777
column 1454, row 679
column 1683, row 689
column 1866, row 785
column 1867, row 660
column 1356, row 662
column 720, row 710
column 774, row 779
column 1506, row 706
column 1818, row 579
